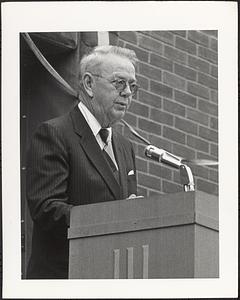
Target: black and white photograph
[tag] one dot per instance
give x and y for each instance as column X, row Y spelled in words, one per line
column 122, row 141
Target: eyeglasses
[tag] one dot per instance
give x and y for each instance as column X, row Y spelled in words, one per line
column 121, row 84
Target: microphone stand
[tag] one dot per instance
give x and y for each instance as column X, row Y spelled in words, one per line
column 165, row 157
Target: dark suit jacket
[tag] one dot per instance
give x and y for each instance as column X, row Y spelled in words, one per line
column 66, row 167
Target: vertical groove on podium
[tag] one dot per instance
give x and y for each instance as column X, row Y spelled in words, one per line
column 130, row 263
column 145, row 261
column 116, row 257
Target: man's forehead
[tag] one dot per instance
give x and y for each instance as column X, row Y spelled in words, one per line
column 117, row 64
column 124, row 75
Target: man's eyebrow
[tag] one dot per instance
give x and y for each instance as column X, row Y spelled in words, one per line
column 119, row 76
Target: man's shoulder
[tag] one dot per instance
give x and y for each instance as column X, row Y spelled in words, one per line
column 58, row 121
column 62, row 121
column 60, row 125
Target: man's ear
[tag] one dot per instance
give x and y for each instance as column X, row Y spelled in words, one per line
column 87, row 82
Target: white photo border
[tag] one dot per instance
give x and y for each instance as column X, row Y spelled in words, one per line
column 109, row 16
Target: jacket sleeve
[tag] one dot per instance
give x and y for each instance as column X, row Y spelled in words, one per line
column 47, row 179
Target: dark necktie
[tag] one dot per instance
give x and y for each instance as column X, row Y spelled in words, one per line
column 104, row 132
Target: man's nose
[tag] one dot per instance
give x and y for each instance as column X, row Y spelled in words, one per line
column 127, row 91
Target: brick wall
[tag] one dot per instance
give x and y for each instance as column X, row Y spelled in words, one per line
column 177, row 105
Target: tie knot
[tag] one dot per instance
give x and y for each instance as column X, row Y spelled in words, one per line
column 104, row 132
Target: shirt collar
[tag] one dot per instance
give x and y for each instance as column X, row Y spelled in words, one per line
column 92, row 121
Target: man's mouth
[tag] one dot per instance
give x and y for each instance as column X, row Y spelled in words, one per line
column 121, row 104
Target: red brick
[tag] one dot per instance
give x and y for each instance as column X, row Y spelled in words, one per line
column 197, row 116
column 208, row 54
column 199, row 171
column 174, row 107
column 174, row 81
column 198, row 37
column 214, row 123
column 131, row 119
column 175, row 54
column 180, row 32
column 208, row 134
column 170, row 187
column 176, row 176
column 161, row 62
column 174, row 135
column 197, row 143
column 150, row 72
column 185, row 72
column 161, row 89
column 150, row 99
column 201, row 155
column 186, row 126
column 141, row 54
column 149, row 181
column 213, row 175
column 214, row 96
column 142, row 81
column 214, row 150
column 183, row 151
column 214, row 44
column 161, row 117
column 208, row 107
column 207, row 187
column 160, row 142
column 164, row 36
column 185, row 45
column 211, row 32
column 158, row 170
column 129, row 36
column 143, row 134
column 214, row 71
column 198, row 64
column 198, row 90
column 149, row 126
column 139, row 109
column 141, row 165
column 208, row 81
column 185, row 98
column 150, row 44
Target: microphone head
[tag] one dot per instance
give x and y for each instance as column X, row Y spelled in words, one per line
column 163, row 156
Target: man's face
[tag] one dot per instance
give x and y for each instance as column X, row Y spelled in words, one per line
column 110, row 105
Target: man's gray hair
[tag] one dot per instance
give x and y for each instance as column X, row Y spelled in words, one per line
column 95, row 57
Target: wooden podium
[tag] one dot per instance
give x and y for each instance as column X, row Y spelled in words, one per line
column 169, row 236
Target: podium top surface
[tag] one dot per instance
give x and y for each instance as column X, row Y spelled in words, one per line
column 143, row 213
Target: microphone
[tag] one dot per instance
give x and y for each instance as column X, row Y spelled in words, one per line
column 163, row 156
column 167, row 158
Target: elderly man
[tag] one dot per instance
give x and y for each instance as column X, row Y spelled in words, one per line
column 78, row 159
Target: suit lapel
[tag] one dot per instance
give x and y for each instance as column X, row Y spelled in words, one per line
column 93, row 151
column 121, row 165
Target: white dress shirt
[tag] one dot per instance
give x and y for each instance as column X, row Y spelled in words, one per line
column 95, row 127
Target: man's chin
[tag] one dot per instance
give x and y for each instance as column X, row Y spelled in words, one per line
column 117, row 116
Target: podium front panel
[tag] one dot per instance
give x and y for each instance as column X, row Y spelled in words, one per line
column 183, row 244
